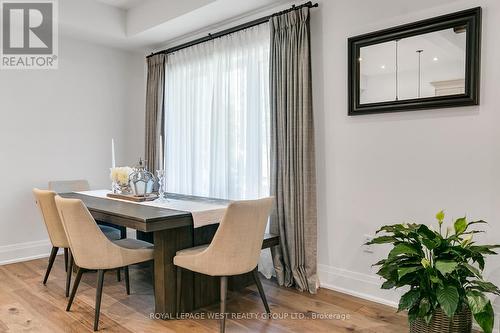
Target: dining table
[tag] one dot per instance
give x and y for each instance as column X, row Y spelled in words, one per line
column 170, row 230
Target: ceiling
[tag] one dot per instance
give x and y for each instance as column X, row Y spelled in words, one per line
column 123, row 4
column 145, row 25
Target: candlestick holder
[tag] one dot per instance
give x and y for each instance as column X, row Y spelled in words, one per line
column 162, row 181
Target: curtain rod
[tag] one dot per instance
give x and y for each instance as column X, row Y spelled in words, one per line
column 243, row 26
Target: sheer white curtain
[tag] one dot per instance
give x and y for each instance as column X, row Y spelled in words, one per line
column 217, row 119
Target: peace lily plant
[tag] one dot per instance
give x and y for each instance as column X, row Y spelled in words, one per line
column 443, row 271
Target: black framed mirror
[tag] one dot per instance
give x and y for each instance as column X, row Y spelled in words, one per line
column 434, row 63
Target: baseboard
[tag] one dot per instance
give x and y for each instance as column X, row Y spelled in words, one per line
column 356, row 284
column 10, row 254
column 367, row 287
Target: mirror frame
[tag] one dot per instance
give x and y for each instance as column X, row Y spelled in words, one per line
column 471, row 18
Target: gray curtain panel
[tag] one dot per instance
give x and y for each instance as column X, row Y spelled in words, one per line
column 155, row 88
column 293, row 174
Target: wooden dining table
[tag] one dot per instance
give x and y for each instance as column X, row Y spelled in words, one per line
column 170, row 231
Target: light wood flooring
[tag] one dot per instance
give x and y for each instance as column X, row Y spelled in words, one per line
column 28, row 306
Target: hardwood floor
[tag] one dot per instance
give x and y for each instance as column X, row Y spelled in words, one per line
column 28, row 306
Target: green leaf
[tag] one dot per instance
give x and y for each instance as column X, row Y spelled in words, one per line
column 382, row 240
column 484, row 286
column 381, row 262
column 446, row 266
column 436, row 280
column 402, row 249
column 407, row 270
column 476, row 222
column 480, row 261
column 392, row 228
column 425, row 231
column 389, row 284
column 431, row 244
column 409, row 299
column 413, row 314
column 448, row 299
column 424, row 307
column 440, row 216
column 388, row 272
column 472, row 269
column 476, row 301
column 484, row 249
column 460, row 225
column 485, row 319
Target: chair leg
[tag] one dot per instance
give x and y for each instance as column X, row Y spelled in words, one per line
column 127, row 279
column 118, row 275
column 65, row 259
column 68, row 272
column 52, row 257
column 178, row 290
column 223, row 294
column 98, row 296
column 256, row 278
column 79, row 273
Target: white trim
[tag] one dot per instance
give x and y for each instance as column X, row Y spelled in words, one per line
column 360, row 295
column 357, row 284
column 19, row 252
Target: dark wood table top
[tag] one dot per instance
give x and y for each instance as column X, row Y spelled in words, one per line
column 133, row 215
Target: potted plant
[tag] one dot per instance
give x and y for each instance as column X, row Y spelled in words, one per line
column 443, row 270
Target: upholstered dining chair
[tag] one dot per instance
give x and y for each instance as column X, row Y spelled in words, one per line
column 79, row 185
column 47, row 206
column 65, row 186
column 235, row 249
column 81, row 230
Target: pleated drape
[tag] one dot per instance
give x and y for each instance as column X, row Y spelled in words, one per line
column 155, row 91
column 293, row 176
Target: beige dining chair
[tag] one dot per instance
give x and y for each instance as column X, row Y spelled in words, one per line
column 45, row 201
column 235, row 249
column 92, row 250
column 79, row 185
column 47, row 206
column 113, row 232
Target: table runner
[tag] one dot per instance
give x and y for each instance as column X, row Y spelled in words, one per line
column 204, row 213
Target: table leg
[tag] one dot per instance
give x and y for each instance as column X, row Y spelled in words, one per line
column 167, row 243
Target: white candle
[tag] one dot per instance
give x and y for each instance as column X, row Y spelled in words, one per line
column 161, row 153
column 113, row 162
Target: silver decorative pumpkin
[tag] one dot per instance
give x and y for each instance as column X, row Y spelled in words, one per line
column 141, row 180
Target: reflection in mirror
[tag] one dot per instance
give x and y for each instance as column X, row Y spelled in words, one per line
column 427, row 65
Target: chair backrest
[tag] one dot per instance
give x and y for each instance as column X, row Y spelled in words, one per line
column 65, row 186
column 47, row 205
column 237, row 243
column 89, row 246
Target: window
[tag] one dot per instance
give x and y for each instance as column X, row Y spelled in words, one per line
column 217, row 117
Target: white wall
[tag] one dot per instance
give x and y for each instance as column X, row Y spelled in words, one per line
column 58, row 124
column 388, row 168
